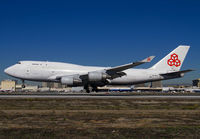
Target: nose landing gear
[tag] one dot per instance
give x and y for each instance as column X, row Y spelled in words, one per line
column 23, row 85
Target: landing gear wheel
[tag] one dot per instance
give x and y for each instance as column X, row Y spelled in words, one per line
column 94, row 89
column 88, row 88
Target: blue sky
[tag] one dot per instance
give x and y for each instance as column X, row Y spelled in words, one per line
column 102, row 33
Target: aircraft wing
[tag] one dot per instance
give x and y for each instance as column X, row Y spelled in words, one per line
column 117, row 71
column 114, row 72
column 121, row 68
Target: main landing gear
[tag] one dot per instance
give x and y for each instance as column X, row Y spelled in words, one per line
column 90, row 88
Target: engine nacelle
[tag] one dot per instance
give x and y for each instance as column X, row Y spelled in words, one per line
column 97, row 76
column 71, row 81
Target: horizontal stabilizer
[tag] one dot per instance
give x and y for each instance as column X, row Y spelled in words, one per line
column 176, row 73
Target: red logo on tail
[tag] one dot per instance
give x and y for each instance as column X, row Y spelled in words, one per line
column 174, row 61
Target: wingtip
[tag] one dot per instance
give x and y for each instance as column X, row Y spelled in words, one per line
column 148, row 59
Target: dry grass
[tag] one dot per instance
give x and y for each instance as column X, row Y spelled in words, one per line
column 109, row 118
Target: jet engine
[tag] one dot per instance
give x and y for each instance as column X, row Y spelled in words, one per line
column 97, row 76
column 71, row 81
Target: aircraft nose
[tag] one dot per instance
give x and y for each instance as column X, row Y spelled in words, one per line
column 8, row 71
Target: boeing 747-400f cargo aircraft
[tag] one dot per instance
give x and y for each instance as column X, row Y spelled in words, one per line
column 92, row 77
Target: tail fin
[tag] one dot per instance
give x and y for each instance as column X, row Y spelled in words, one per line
column 173, row 61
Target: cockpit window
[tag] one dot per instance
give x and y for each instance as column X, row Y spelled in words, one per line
column 19, row 63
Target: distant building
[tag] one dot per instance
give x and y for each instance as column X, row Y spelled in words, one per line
column 8, row 85
column 196, row 82
column 44, row 84
column 30, row 88
column 57, row 85
column 156, row 84
column 52, row 85
column 64, row 86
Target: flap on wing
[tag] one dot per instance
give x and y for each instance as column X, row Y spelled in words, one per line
column 128, row 66
column 177, row 72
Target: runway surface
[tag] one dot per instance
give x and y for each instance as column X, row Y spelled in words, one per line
column 98, row 97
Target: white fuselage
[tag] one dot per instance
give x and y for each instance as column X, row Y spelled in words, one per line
column 49, row 71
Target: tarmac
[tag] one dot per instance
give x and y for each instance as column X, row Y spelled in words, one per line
column 11, row 96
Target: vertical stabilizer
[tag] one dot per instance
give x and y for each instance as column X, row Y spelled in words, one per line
column 173, row 61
